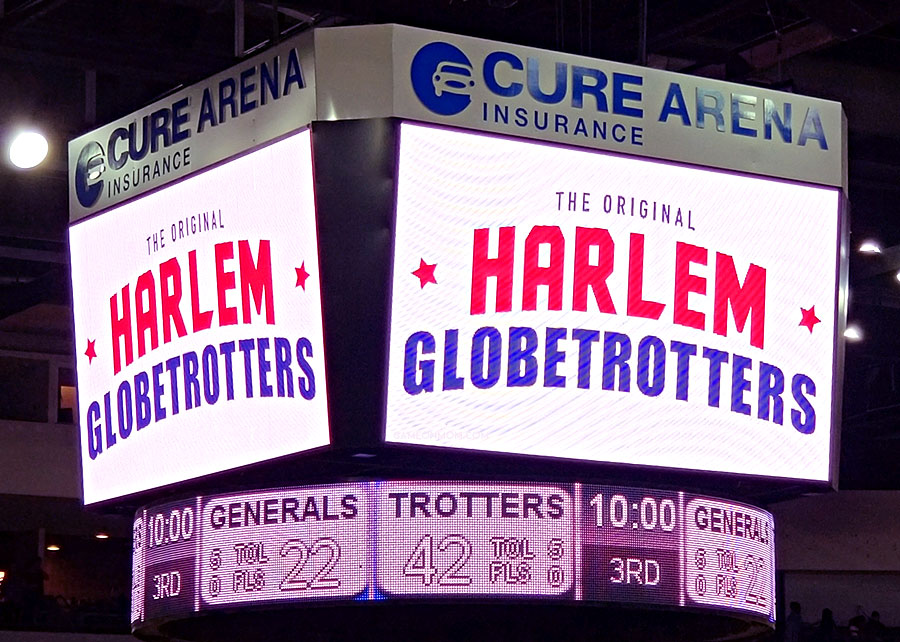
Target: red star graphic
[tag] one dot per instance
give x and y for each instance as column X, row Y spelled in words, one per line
column 302, row 275
column 90, row 353
column 809, row 318
column 425, row 273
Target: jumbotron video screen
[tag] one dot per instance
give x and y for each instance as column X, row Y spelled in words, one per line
column 198, row 322
column 571, row 303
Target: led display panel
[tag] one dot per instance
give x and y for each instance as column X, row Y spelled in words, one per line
column 570, row 303
column 198, row 325
column 470, row 539
column 416, row 539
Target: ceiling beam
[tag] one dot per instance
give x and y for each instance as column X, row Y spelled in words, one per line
column 700, row 25
column 32, row 56
column 33, row 255
column 52, row 287
column 26, row 12
column 844, row 18
column 110, row 55
column 826, row 27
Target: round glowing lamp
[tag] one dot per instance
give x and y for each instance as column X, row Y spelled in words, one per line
column 870, row 247
column 28, row 149
column 853, row 333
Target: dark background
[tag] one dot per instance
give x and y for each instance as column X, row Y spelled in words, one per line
column 70, row 65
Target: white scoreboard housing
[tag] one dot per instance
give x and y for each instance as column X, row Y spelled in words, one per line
column 630, row 267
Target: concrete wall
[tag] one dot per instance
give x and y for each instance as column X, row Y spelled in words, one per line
column 844, row 531
column 841, row 551
column 39, row 459
column 843, row 593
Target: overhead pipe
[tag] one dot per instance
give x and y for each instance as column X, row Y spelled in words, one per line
column 642, row 34
column 239, row 38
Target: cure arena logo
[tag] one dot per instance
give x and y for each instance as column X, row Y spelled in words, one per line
column 441, row 76
column 88, row 170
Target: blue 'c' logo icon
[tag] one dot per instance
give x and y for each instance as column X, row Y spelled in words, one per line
column 88, row 169
column 441, row 77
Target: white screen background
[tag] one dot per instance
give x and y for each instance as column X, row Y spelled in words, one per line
column 267, row 194
column 451, row 183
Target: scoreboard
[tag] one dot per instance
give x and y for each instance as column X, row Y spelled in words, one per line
column 377, row 540
column 444, row 272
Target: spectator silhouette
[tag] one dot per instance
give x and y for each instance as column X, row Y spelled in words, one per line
column 793, row 626
column 25, row 590
column 874, row 630
column 826, row 629
column 857, row 622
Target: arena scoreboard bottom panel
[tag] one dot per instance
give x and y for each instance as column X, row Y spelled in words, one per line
column 382, row 540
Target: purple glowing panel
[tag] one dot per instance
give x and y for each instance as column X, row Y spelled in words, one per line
column 729, row 554
column 292, row 544
column 476, row 540
column 451, row 538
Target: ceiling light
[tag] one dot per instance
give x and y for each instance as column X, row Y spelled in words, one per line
column 53, row 547
column 101, row 536
column 853, row 333
column 870, row 247
column 28, row 149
